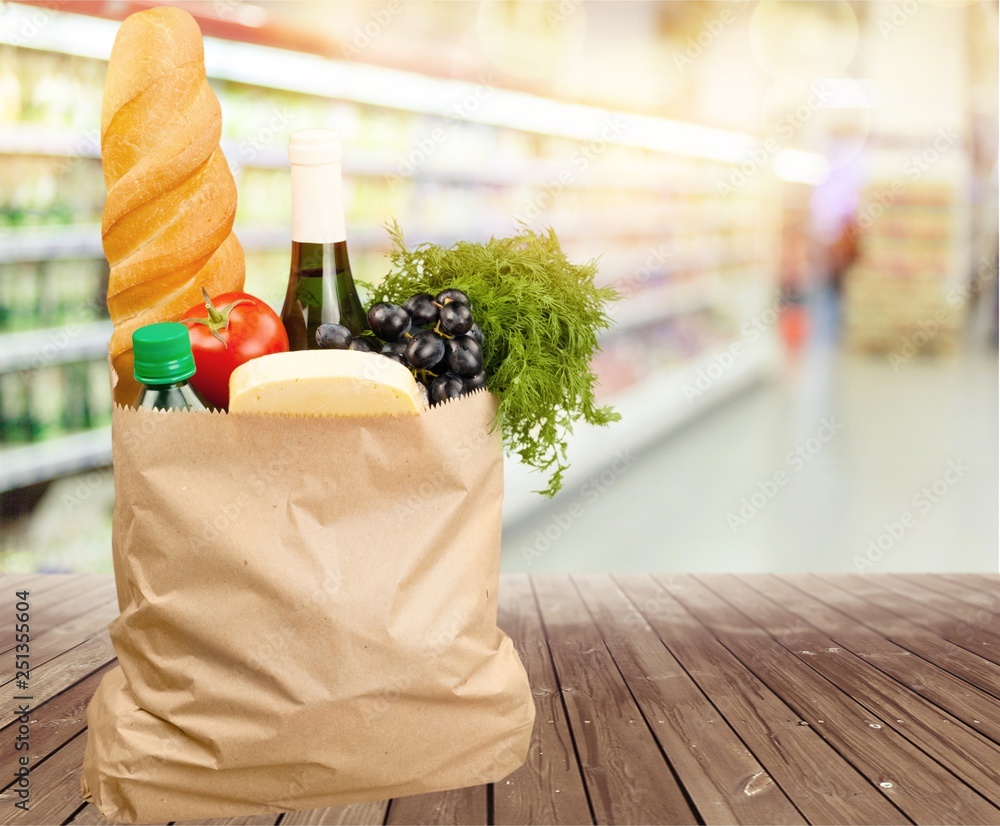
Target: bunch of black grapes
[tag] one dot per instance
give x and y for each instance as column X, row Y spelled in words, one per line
column 433, row 335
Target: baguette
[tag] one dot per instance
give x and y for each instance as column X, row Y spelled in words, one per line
column 168, row 218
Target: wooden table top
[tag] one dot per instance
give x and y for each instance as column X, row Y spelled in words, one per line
column 661, row 699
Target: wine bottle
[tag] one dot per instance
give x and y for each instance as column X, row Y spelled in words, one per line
column 321, row 287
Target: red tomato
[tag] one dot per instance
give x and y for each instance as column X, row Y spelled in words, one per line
column 227, row 331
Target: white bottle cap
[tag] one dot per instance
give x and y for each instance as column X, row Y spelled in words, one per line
column 314, row 147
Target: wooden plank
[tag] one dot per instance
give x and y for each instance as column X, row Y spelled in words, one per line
column 928, row 609
column 987, row 583
column 973, row 706
column 825, row 787
column 90, row 815
column 11, row 583
column 244, row 820
column 920, row 787
column 356, row 814
column 549, row 787
column 962, row 663
column 55, row 788
column 65, row 604
column 46, row 604
column 55, row 793
column 962, row 750
column 628, row 778
column 43, row 586
column 62, row 671
column 40, row 584
column 963, row 597
column 53, row 723
column 82, row 625
column 724, row 780
column 456, row 806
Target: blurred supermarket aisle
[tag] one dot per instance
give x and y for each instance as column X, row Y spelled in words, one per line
column 750, row 176
column 843, row 465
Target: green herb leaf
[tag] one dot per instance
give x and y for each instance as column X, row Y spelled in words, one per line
column 540, row 316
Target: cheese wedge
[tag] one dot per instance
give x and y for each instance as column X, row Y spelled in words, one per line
column 324, row 383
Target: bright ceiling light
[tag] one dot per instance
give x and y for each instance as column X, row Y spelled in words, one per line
column 848, row 93
column 801, row 167
column 39, row 28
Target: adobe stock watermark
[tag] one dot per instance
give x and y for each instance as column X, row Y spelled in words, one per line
column 251, row 488
column 614, row 127
column 757, row 157
column 84, row 146
column 795, row 460
column 563, row 12
column 366, row 33
column 454, row 465
column 921, row 504
column 980, row 618
column 929, row 328
column 640, row 614
column 711, row 30
column 638, row 278
column 899, row 16
column 85, row 487
column 590, row 492
column 250, row 149
column 457, row 113
column 399, row 685
column 38, row 17
column 913, row 169
column 272, row 650
column 751, row 331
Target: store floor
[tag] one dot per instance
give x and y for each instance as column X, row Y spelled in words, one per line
column 841, row 464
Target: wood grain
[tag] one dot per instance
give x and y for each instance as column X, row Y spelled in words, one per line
column 711, row 761
column 956, row 746
column 658, row 699
column 628, row 778
column 55, row 788
column 79, row 625
column 905, row 633
column 824, row 786
column 914, row 674
column 925, row 792
column 451, row 808
column 357, row 814
column 989, row 584
column 928, row 610
column 61, row 672
column 48, row 604
column 53, row 723
column 528, row 794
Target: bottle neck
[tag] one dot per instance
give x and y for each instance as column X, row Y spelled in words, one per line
column 177, row 396
column 318, row 204
column 168, row 386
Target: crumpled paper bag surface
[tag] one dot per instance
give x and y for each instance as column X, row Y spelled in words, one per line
column 308, row 614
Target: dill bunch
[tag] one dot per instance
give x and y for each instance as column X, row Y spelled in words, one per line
column 540, row 316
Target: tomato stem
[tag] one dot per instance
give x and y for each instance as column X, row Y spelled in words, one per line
column 218, row 317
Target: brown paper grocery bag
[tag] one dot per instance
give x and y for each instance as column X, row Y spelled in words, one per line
column 308, row 614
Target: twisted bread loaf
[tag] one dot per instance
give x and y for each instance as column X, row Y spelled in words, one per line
column 168, row 217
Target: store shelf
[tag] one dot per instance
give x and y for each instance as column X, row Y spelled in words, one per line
column 657, row 305
column 84, row 241
column 649, row 411
column 50, row 242
column 29, row 464
column 54, row 345
column 29, row 139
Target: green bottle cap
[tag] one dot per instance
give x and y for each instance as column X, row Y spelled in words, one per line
column 162, row 353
